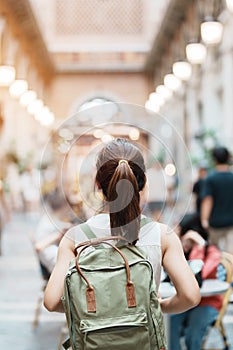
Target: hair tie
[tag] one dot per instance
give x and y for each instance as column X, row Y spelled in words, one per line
column 123, row 161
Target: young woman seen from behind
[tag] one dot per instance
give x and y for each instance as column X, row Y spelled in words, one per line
column 121, row 177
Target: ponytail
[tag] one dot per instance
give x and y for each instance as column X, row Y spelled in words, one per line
column 124, row 202
column 121, row 176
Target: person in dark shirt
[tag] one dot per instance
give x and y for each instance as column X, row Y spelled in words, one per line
column 217, row 201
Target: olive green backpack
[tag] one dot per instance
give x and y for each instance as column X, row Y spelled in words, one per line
column 110, row 299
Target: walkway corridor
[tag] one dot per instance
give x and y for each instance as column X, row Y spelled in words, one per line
column 20, row 284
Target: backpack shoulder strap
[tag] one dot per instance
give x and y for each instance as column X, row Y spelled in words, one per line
column 90, row 234
column 87, row 230
column 145, row 221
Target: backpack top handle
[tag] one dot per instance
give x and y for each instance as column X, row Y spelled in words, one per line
column 97, row 241
column 90, row 293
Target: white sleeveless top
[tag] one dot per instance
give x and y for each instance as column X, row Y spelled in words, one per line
column 149, row 239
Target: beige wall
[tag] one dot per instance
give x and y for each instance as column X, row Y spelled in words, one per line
column 68, row 91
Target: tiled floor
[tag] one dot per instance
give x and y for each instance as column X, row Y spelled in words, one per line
column 20, row 283
column 214, row 340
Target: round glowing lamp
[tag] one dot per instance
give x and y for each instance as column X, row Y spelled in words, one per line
column 196, row 53
column 170, row 169
column 172, row 82
column 44, row 116
column 211, row 31
column 18, row 87
column 230, row 5
column 164, row 91
column 7, row 75
column 152, row 107
column 35, row 106
column 27, row 97
column 182, row 70
column 156, row 98
column 134, row 134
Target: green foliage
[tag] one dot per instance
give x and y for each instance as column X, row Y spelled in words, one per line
column 207, row 140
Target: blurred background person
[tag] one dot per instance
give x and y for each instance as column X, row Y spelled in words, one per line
column 217, row 201
column 159, row 188
column 76, row 204
column 5, row 213
column 193, row 324
column 30, row 189
column 51, row 228
column 197, row 186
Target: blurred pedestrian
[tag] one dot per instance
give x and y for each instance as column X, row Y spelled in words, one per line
column 5, row 213
column 202, row 173
column 159, row 190
column 193, row 324
column 51, row 228
column 217, row 201
column 30, row 189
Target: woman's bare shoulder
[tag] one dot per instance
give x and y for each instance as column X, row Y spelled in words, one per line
column 168, row 237
column 166, row 230
column 68, row 240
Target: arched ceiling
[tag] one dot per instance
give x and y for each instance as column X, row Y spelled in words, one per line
column 99, row 35
column 95, row 35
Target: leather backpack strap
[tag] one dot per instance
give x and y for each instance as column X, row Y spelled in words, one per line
column 97, row 241
column 90, row 292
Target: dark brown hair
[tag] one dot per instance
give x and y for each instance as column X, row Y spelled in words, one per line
column 121, row 176
column 221, row 155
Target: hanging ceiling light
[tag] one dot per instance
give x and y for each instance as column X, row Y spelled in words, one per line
column 7, row 75
column 134, row 134
column 156, row 99
column 151, row 107
column 48, row 119
column 196, row 53
column 164, row 91
column 182, row 70
column 172, row 82
column 18, row 87
column 45, row 116
column 230, row 5
column 155, row 102
column 211, row 31
column 27, row 97
column 20, row 84
column 35, row 106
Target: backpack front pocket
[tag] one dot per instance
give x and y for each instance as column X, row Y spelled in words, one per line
column 128, row 332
